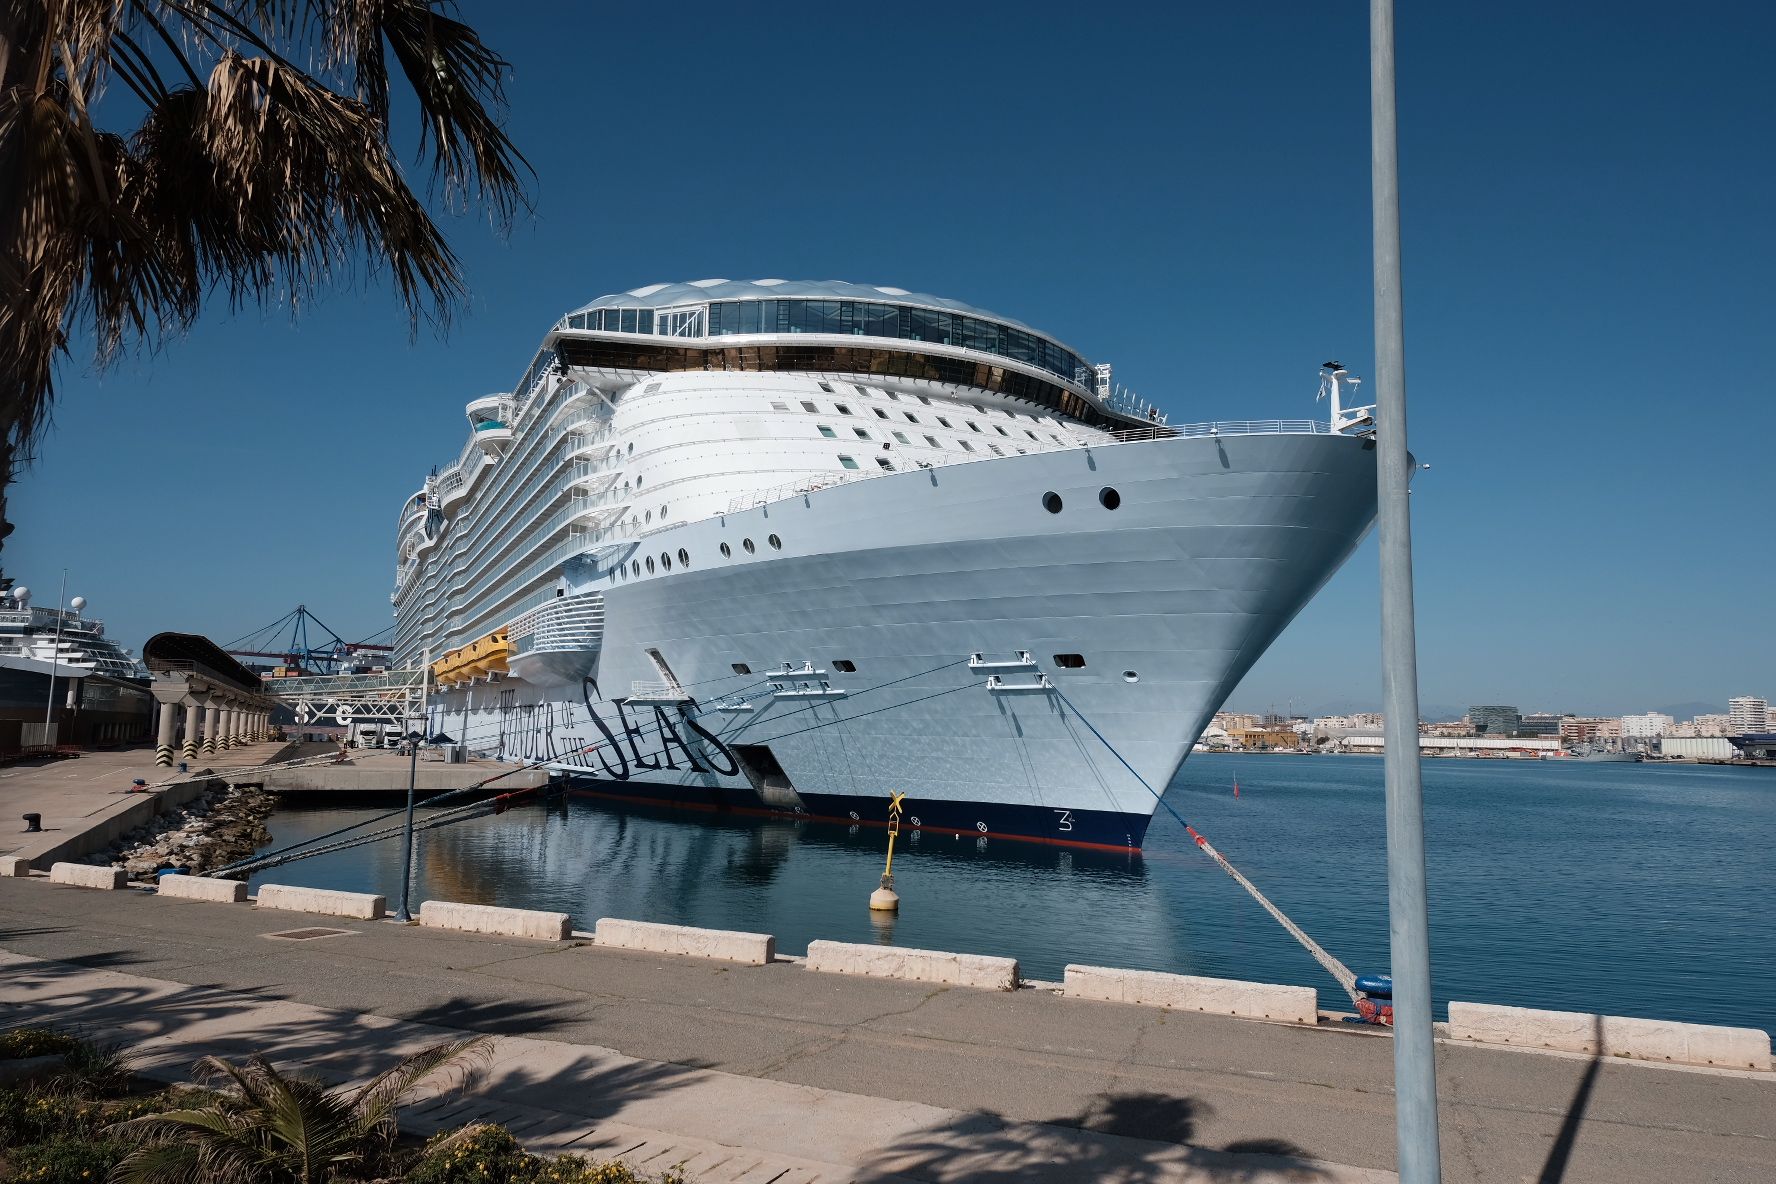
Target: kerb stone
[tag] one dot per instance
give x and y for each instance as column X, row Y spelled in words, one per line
column 85, row 875
column 14, row 865
column 1611, row 1035
column 1185, row 992
column 290, row 898
column 983, row 971
column 484, row 918
column 182, row 887
column 726, row 944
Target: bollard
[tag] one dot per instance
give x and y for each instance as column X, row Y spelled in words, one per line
column 884, row 899
column 33, row 823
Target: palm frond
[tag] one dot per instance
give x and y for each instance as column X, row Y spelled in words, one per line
column 375, row 1102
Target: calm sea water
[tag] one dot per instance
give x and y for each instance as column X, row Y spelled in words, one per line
column 1626, row 889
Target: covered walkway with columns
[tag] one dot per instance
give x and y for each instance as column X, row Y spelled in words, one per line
column 206, row 702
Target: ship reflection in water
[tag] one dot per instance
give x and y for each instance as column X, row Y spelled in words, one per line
column 1616, row 888
column 800, row 880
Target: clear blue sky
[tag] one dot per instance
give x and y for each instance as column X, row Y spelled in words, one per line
column 1590, row 239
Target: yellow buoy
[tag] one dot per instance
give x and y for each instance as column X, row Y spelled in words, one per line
column 884, row 899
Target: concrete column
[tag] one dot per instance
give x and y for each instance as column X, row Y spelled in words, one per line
column 163, row 740
column 231, row 727
column 212, row 717
column 189, row 751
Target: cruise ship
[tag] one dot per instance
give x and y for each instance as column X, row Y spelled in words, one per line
column 62, row 681
column 806, row 546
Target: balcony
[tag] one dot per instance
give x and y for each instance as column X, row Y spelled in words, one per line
column 493, row 436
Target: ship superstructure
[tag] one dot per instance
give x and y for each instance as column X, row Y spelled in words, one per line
column 800, row 546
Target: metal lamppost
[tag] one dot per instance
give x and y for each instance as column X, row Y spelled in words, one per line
column 1415, row 1070
column 413, row 738
column 55, row 656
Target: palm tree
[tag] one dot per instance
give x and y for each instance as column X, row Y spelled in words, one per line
column 266, row 1128
column 245, row 171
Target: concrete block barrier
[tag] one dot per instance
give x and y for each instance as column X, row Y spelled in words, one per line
column 85, row 875
column 1611, row 1035
column 184, row 887
column 1185, row 992
column 926, row 966
column 290, row 898
column 14, row 865
column 485, row 918
column 754, row 948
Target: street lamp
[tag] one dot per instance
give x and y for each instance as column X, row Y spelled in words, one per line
column 413, row 738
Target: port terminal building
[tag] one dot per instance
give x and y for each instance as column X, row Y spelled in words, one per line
column 1519, row 747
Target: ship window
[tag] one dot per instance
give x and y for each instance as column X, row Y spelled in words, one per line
column 806, row 406
column 636, row 567
column 638, row 483
column 727, row 551
column 776, row 543
column 1000, row 430
column 650, row 565
column 828, row 432
column 861, row 434
column 966, row 446
column 1109, row 498
column 662, row 513
column 741, row 668
column 1031, row 434
column 631, row 448
column 1051, row 501
column 845, row 666
column 932, row 440
column 892, row 395
column 880, row 414
column 911, row 418
column 997, row 451
column 842, row 409
column 826, row 388
column 1070, row 661
column 978, row 408
column 924, row 400
column 1023, row 452
column 943, row 421
column 776, row 406
column 665, row 561
column 885, row 463
column 648, row 517
column 746, row 545
column 972, row 426
column 684, row 557
column 847, row 463
column 902, row 437
column 1054, row 437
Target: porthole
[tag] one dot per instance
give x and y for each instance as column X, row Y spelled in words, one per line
column 650, row 565
column 665, row 561
column 1109, row 498
column 662, row 513
column 636, row 567
column 684, row 557
column 742, row 668
column 631, row 448
column 727, row 551
column 648, row 517
column 776, row 543
column 746, row 545
column 845, row 666
column 1070, row 661
column 1051, row 501
column 1130, row 676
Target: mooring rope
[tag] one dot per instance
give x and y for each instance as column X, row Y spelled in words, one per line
column 1345, row 977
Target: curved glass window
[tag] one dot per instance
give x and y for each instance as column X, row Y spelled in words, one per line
column 858, row 318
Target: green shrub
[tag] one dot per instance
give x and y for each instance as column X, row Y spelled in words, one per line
column 490, row 1155
column 66, row 1159
column 34, row 1042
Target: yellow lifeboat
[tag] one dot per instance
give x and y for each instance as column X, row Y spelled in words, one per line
column 479, row 659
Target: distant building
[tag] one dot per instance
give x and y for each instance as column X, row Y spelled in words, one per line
column 1586, row 729
column 1702, row 726
column 1259, row 738
column 1453, row 727
column 1747, row 713
column 1646, row 727
column 1494, row 721
column 1539, row 724
column 1228, row 721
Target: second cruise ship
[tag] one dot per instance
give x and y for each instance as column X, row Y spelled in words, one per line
column 802, row 546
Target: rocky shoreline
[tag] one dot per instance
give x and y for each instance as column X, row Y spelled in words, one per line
column 213, row 830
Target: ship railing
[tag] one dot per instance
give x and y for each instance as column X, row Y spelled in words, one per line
column 657, row 692
column 807, row 484
column 1225, row 427
column 318, row 685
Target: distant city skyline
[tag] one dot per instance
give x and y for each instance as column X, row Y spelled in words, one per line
column 1588, row 319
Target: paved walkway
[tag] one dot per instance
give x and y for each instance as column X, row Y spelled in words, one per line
column 80, row 795
column 851, row 1078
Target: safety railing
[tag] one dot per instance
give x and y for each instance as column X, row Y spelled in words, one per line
column 1225, row 427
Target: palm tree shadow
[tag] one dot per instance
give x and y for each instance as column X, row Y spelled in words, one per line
column 1133, row 1138
column 1560, row 1154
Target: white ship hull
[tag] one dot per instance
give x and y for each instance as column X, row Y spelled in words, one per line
column 1216, row 544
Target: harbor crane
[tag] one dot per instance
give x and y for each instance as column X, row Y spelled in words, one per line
column 289, row 640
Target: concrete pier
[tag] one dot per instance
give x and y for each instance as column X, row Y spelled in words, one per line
column 813, row 1077
column 381, row 774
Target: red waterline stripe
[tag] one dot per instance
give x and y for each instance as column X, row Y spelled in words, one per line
column 760, row 812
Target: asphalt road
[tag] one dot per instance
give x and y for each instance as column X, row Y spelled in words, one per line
column 1028, row 1056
